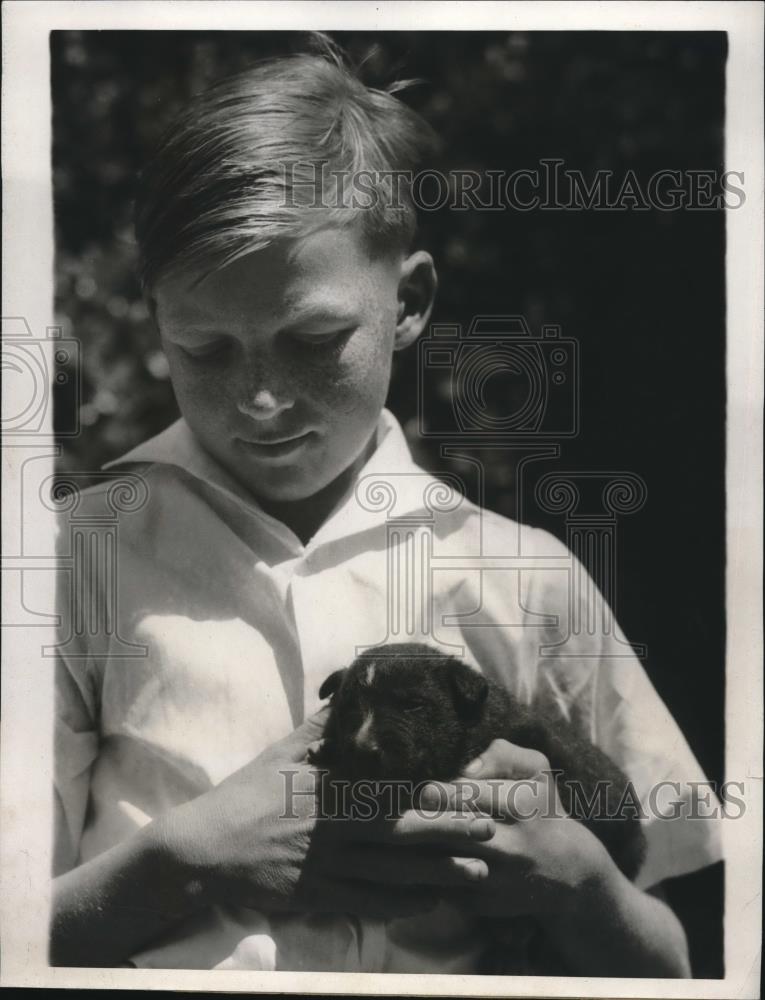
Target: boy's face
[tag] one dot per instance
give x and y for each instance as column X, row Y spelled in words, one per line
column 281, row 361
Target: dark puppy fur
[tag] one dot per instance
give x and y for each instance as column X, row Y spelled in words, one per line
column 408, row 712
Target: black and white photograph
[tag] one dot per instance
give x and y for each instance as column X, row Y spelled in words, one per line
column 382, row 434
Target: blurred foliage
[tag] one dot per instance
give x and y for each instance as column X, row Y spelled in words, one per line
column 642, row 292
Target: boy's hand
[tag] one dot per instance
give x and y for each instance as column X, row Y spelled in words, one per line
column 254, row 840
column 540, row 860
column 544, row 863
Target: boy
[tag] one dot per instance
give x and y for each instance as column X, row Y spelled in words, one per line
column 259, row 564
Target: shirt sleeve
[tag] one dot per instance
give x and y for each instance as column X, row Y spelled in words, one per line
column 587, row 671
column 75, row 737
column 75, row 749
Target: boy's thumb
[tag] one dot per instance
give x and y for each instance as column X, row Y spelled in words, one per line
column 310, row 730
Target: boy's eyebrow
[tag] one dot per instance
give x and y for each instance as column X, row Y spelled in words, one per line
column 319, row 314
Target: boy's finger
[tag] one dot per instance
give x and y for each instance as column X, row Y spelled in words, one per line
column 416, row 826
column 502, row 759
column 508, row 800
column 454, row 797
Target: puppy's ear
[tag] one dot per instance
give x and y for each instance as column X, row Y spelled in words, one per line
column 470, row 688
column 331, row 684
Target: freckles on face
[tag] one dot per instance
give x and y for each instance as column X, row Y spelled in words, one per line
column 287, row 345
column 357, row 379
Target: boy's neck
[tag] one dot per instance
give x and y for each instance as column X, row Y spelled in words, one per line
column 305, row 517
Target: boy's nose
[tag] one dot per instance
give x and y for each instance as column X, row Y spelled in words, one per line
column 264, row 405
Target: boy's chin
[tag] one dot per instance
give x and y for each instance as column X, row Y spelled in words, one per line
column 320, row 480
column 290, row 486
column 271, row 491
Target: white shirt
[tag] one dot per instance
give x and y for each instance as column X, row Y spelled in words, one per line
column 237, row 623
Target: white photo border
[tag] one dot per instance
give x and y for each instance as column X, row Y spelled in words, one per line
column 28, row 292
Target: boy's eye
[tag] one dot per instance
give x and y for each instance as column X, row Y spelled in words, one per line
column 329, row 339
column 206, row 351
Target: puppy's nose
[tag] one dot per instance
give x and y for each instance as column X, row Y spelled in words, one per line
column 365, row 737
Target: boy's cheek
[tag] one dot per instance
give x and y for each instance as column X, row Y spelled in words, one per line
column 200, row 392
column 368, row 370
column 354, row 392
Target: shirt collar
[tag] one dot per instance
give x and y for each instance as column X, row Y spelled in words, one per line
column 176, row 445
column 390, row 485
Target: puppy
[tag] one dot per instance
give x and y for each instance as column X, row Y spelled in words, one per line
column 410, row 713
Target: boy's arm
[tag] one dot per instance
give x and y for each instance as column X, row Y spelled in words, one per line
column 544, row 864
column 108, row 908
column 601, row 686
column 228, row 841
column 620, row 930
column 251, row 843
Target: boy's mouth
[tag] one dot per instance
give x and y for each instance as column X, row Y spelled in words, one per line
column 278, row 448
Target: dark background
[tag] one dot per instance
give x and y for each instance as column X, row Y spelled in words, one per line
column 642, row 292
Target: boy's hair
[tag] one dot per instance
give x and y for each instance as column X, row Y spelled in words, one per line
column 256, row 158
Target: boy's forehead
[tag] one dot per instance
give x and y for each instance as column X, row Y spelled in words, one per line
column 321, row 276
column 205, row 311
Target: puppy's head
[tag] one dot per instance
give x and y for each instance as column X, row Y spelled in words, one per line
column 402, row 712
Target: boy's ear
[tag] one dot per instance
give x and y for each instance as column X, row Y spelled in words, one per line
column 331, row 683
column 416, row 292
